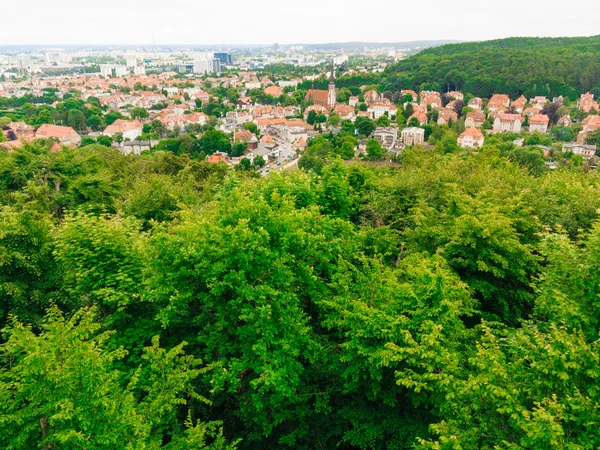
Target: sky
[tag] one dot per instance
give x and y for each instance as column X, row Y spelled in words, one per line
column 188, row 22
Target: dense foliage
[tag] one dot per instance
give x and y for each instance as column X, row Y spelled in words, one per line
column 162, row 302
column 515, row 66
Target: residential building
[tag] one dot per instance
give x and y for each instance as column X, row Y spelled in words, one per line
column 476, row 103
column 413, row 136
column 587, row 151
column 431, row 98
column 456, row 95
column 508, row 123
column 380, row 107
column 422, row 118
column 65, row 135
column 471, row 138
column 446, row 115
column 130, row 129
column 586, row 103
column 219, row 157
column 387, row 136
column 565, row 121
column 519, row 104
column 274, row 91
column 474, row 119
column 591, row 123
column 134, row 147
column 538, row 122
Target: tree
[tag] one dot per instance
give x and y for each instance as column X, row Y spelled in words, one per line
column 364, row 125
column 311, row 118
column 334, row 120
column 564, row 134
column 107, row 141
column 62, row 389
column 214, row 141
column 139, row 113
column 252, row 128
column 238, row 149
column 374, row 149
column 111, row 116
column 245, row 164
column 259, row 161
column 383, row 121
column 96, row 123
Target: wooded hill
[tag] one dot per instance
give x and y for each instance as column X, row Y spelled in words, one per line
column 514, row 66
column 162, row 302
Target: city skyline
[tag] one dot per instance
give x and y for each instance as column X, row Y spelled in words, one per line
column 263, row 22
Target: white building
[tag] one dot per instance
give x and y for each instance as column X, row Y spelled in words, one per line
column 471, row 138
column 508, row 123
column 413, row 136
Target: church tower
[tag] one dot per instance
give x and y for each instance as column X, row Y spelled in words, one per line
column 331, row 97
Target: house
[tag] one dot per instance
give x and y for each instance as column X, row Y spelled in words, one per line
column 243, row 136
column 130, row 129
column 219, row 157
column 134, row 147
column 431, row 98
column 422, row 118
column 475, row 119
column 456, row 95
column 587, row 151
column 508, row 123
column 21, row 130
column 586, row 103
column 299, row 145
column 380, row 107
column 497, row 102
column 413, row 136
column 519, row 104
column 274, row 91
column 318, row 109
column 539, row 99
column 267, row 151
column 471, row 138
column 371, row 96
column 538, row 122
column 446, row 115
column 345, row 112
column 476, row 103
column 413, row 94
column 353, row 101
column 386, row 136
column 244, row 103
column 65, row 135
column 565, row 121
column 591, row 123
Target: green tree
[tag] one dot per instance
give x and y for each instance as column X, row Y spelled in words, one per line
column 139, row 113
column 95, row 123
column 364, row 125
column 374, row 149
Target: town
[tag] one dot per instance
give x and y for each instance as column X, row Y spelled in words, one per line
column 262, row 112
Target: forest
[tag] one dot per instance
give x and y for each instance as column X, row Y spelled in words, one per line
column 447, row 301
column 514, row 66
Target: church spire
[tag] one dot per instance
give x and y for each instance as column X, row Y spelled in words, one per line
column 331, row 77
column 331, row 94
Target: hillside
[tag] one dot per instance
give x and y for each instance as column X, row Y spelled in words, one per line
column 515, row 66
column 164, row 302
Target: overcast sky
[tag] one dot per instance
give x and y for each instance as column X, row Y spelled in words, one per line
column 52, row 22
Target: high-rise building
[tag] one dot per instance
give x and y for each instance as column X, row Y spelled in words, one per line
column 225, row 58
